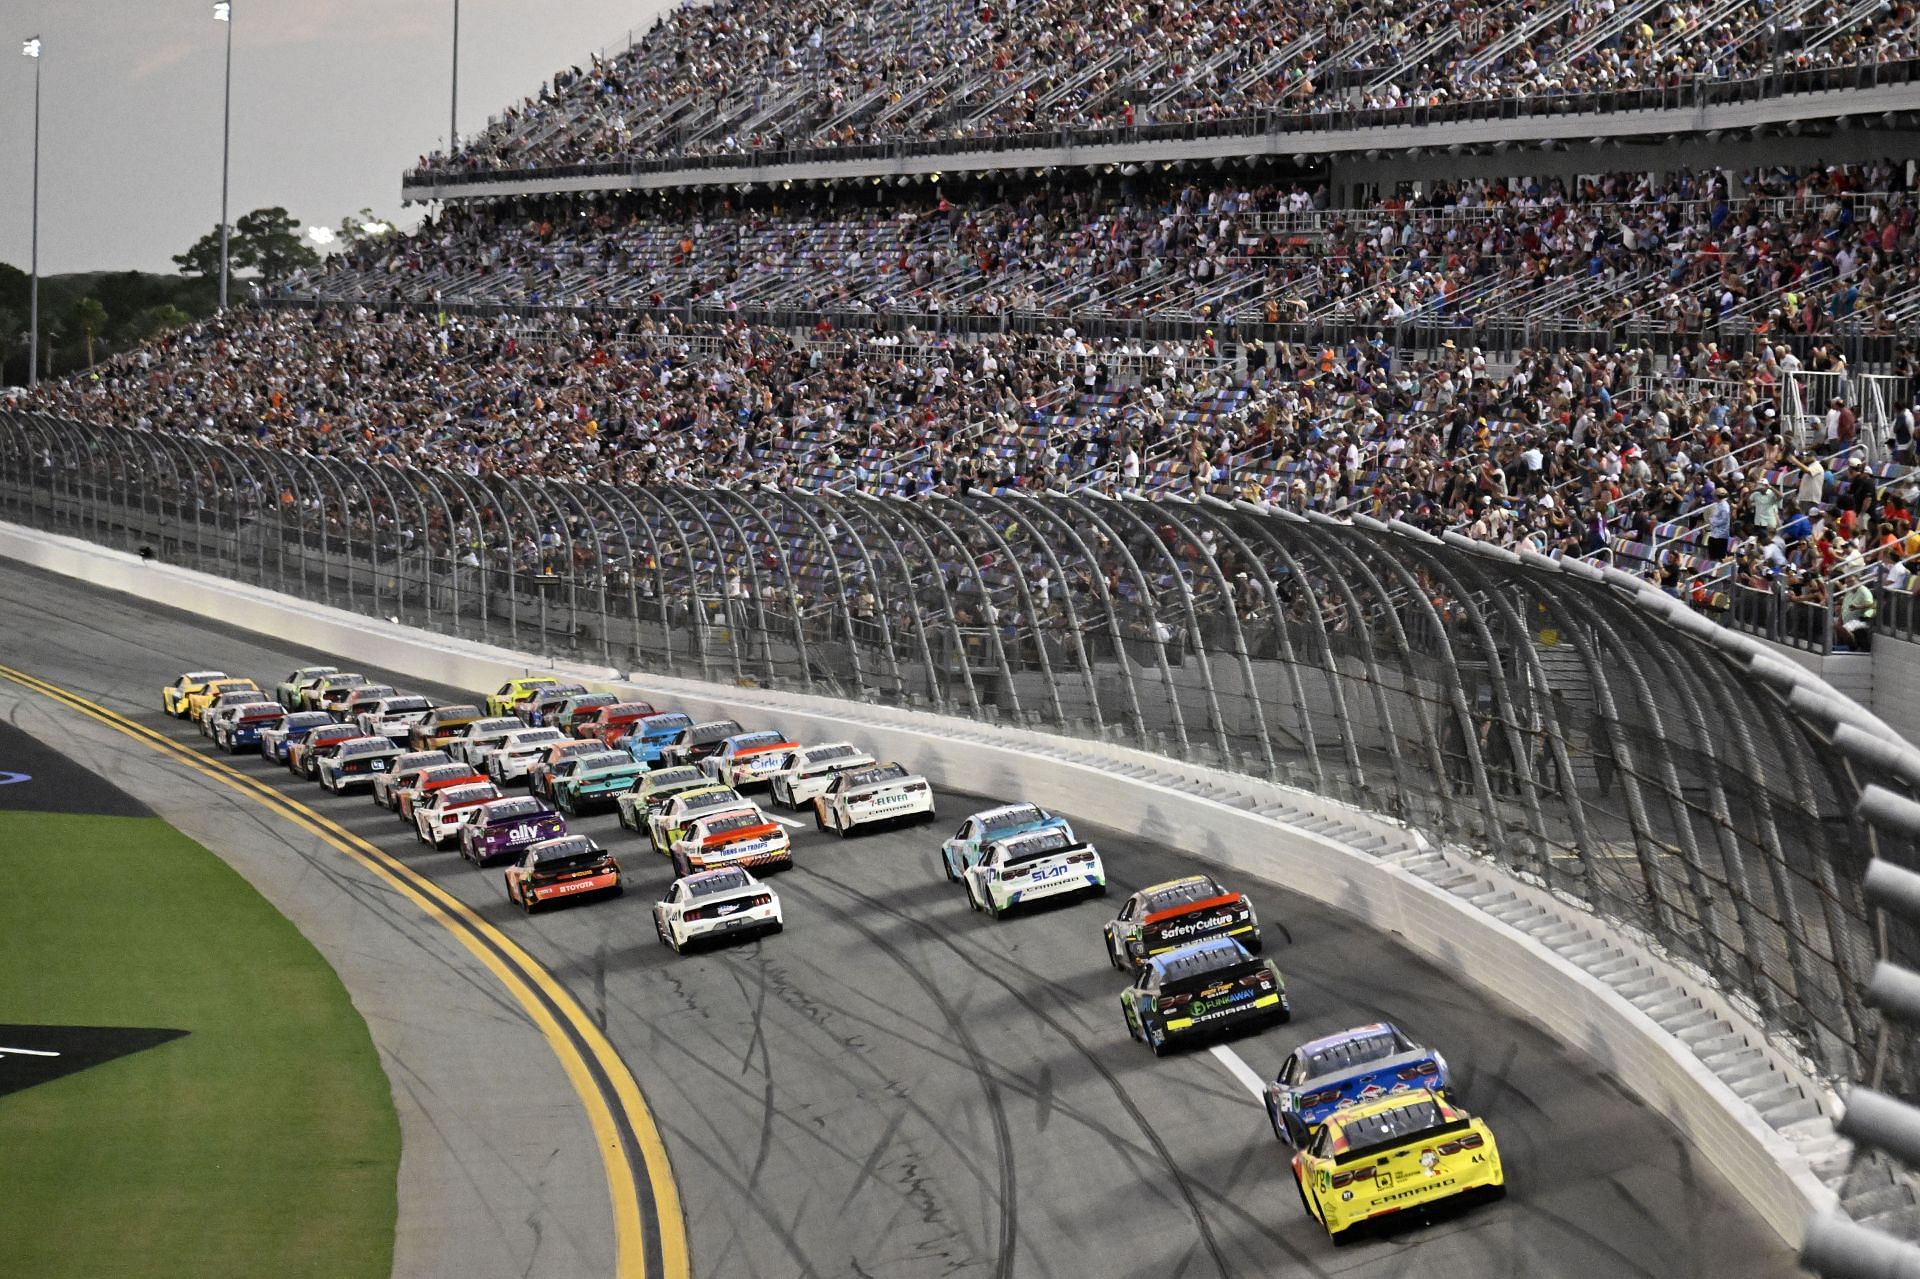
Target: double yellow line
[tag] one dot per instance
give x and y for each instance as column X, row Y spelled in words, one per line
column 650, row 1239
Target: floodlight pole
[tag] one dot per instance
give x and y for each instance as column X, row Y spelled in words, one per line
column 224, row 13
column 453, row 101
column 32, row 49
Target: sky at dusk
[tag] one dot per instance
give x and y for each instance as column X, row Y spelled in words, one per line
column 332, row 100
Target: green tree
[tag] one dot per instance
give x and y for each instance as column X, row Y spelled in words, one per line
column 353, row 228
column 89, row 319
column 157, row 320
column 204, row 257
column 270, row 243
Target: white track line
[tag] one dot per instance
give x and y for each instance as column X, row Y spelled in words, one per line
column 27, row 1052
column 1249, row 1077
column 784, row 821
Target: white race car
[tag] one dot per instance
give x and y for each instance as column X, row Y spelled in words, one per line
column 516, row 753
column 666, row 823
column 743, row 837
column 482, row 737
column 394, row 716
column 715, row 904
column 436, row 820
column 747, row 759
column 1047, row 862
column 872, row 796
column 805, row 772
column 355, row 762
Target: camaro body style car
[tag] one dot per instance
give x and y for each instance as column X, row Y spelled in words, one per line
column 668, row 822
column 981, row 829
column 648, row 736
column 173, row 698
column 714, row 905
column 244, row 727
column 330, row 691
column 571, row 866
column 356, row 762
column 654, row 790
column 441, row 725
column 1032, row 867
column 300, row 754
column 287, row 691
column 517, row 752
column 437, row 814
column 1207, row 988
column 590, row 782
column 744, row 837
column 357, row 700
column 411, row 794
column 747, row 759
column 481, row 737
column 1345, row 1069
column 1163, row 916
column 697, row 741
column 394, row 717
column 873, row 796
column 222, row 709
column 1395, row 1153
column 804, row 773
column 545, row 701
column 540, row 772
column 576, row 709
column 276, row 740
column 404, row 772
column 609, row 723
column 214, row 690
column 502, row 700
column 506, row 828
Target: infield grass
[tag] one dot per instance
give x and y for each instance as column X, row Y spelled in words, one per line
column 263, row 1143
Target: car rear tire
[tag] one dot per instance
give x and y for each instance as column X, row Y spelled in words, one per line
column 946, row 864
column 819, row 815
column 778, row 926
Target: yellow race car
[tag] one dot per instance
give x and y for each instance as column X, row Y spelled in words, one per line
column 173, row 698
column 1405, row 1150
column 503, row 699
column 200, row 698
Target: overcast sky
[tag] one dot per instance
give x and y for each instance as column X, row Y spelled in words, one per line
column 332, row 99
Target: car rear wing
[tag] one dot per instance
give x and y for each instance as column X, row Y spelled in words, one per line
column 1212, row 917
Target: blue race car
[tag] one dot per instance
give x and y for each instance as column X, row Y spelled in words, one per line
column 983, row 828
column 276, row 740
column 1358, row 1065
column 651, row 733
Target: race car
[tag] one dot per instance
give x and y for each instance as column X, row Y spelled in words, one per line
column 481, row 737
column 441, row 725
column 211, row 691
column 589, row 782
column 805, row 772
column 1206, row 988
column 714, row 905
column 1391, row 1154
column 358, row 699
column 535, row 709
column 173, row 698
column 747, row 759
column 668, row 822
column 873, row 796
column 1162, row 916
column 393, row 717
column 1032, row 867
column 608, row 724
column 355, row 762
column 437, row 814
column 506, row 828
column 222, row 708
column 410, row 794
column 697, row 741
column 287, row 691
column 329, row 691
column 571, row 866
column 647, row 737
column 579, row 708
column 540, row 772
column 244, row 726
column 515, row 753
column 502, row 700
column 743, row 837
column 404, row 772
column 1354, row 1066
column 654, row 790
column 964, row 849
column 276, row 740
column 300, row 753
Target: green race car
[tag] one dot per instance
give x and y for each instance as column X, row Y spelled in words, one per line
column 654, row 790
column 594, row 781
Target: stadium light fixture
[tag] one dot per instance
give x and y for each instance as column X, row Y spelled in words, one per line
column 376, row 227
column 30, row 48
column 321, row 234
column 223, row 13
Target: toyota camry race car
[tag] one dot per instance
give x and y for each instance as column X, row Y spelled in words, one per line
column 244, row 727
column 288, row 692
column 300, row 755
column 747, row 759
column 404, row 771
column 576, row 709
column 873, row 796
column 590, row 782
column 437, row 815
column 330, row 692
column 647, row 737
column 360, row 700
column 571, row 866
column 545, row 701
column 515, row 753
column 554, row 754
column 964, row 849
column 481, row 736
column 653, row 791
column 214, row 690
column 1204, row 989
column 506, row 828
column 608, row 724
column 410, row 794
column 1162, row 916
column 667, row 823
column 276, row 740
column 1395, row 1153
column 441, row 725
column 715, row 905
column 502, row 700
column 1032, row 867
column 355, row 762
column 393, row 717
column 1357, row 1065
column 697, row 741
column 743, row 837
column 222, row 709
column 173, row 698
column 805, row 772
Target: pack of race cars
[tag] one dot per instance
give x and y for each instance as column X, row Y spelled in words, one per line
column 1367, row 1112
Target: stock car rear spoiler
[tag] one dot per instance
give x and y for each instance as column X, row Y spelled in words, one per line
column 1178, row 925
column 761, row 831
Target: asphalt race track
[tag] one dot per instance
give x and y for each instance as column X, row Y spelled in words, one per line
column 896, row 1086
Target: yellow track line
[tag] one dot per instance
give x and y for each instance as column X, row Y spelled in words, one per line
column 517, row 971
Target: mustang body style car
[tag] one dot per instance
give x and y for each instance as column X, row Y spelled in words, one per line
column 1033, row 867
column 1208, row 988
column 540, row 772
column 745, row 837
column 609, row 723
column 715, row 905
column 647, row 736
column 666, row 824
column 173, row 698
column 502, row 700
column 358, row 700
column 506, row 828
column 576, row 709
column 873, row 796
column 276, row 740
column 517, row 752
column 697, row 741
column 1354, row 1066
column 287, row 691
column 437, row 815
column 223, row 708
column 805, row 772
column 1163, row 916
column 481, row 737
column 404, row 772
column 441, row 725
column 244, row 727
column 356, row 762
column 571, row 866
column 1385, row 1156
column 411, row 794
column 535, row 710
column 300, row 759
column 330, row 692
column 591, row 782
column 213, row 691
column 748, row 759
column 654, row 790
column 394, row 717
column 981, row 829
